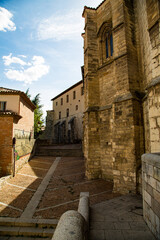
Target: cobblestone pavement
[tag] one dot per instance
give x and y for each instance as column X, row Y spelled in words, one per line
column 119, row 219
column 54, row 192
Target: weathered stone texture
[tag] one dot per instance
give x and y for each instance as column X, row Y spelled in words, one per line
column 151, row 191
column 122, row 90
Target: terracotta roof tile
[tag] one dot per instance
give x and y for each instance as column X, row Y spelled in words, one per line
column 8, row 91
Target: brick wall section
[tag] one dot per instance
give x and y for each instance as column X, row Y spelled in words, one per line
column 6, row 131
column 151, row 191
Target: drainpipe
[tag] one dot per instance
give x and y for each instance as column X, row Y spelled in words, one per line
column 14, row 155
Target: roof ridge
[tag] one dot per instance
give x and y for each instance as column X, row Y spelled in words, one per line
column 16, row 92
column 8, row 89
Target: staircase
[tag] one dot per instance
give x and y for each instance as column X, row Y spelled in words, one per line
column 70, row 150
column 42, row 228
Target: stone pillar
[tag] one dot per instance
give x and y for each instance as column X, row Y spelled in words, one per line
column 49, row 130
column 91, row 89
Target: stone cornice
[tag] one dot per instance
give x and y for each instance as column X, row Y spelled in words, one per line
column 135, row 95
column 155, row 81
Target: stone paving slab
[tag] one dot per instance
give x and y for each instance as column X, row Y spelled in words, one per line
column 32, row 205
column 18, row 191
column 120, row 218
column 64, row 189
column 61, row 193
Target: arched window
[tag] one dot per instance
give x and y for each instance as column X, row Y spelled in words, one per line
column 109, row 44
column 105, row 42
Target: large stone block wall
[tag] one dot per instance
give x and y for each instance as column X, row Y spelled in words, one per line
column 106, row 153
column 91, row 138
column 148, row 52
column 122, row 92
column 126, row 145
column 151, row 191
column 6, row 154
column 113, row 132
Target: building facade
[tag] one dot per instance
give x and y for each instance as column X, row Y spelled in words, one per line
column 64, row 122
column 16, row 129
column 121, row 88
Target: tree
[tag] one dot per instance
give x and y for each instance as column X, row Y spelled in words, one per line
column 38, row 114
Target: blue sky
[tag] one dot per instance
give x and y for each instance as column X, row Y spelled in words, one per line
column 41, row 47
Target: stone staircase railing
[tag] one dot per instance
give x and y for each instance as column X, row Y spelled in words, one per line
column 74, row 224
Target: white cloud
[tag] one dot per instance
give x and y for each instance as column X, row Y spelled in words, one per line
column 5, row 20
column 34, row 70
column 8, row 60
column 61, row 27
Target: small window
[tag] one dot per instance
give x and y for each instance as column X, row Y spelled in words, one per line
column 59, row 115
column 76, row 107
column 74, row 94
column 56, row 103
column 82, row 90
column 2, row 106
column 67, row 98
column 109, row 45
column 67, row 112
column 61, row 101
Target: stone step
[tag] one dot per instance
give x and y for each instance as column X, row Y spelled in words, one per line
column 24, row 238
column 43, row 228
column 19, row 222
column 26, row 231
column 59, row 152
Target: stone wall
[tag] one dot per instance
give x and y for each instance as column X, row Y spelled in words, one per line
column 113, row 129
column 151, row 191
column 121, row 119
column 148, row 52
column 23, row 147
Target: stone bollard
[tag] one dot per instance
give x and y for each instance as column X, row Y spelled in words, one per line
column 71, row 226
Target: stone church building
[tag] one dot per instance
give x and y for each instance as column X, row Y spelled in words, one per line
column 122, row 89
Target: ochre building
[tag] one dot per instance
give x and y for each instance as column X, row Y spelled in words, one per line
column 16, row 130
column 122, row 89
column 64, row 122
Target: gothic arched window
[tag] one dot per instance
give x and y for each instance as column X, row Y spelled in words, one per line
column 105, row 42
column 109, row 44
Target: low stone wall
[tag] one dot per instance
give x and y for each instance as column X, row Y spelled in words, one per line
column 151, row 191
column 21, row 161
column 23, row 147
